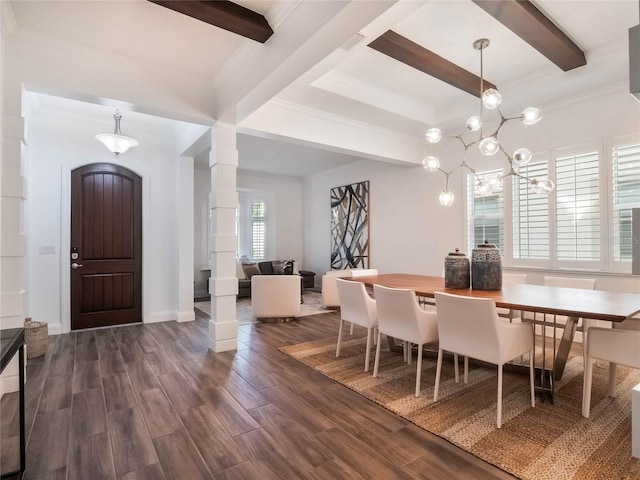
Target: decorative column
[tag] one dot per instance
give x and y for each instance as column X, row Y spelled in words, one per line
column 223, row 201
column 12, row 237
column 184, row 178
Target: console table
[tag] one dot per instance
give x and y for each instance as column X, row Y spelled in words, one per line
column 12, row 341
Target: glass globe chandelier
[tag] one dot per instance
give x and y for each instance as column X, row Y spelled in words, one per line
column 116, row 142
column 488, row 145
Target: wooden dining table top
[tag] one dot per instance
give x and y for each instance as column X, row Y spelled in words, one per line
column 572, row 302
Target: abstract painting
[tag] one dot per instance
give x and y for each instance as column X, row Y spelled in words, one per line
column 350, row 226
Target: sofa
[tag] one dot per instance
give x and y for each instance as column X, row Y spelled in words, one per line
column 244, row 272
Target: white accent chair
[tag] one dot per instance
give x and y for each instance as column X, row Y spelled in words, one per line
column 329, row 290
column 620, row 344
column 471, row 327
column 275, row 296
column 356, row 307
column 400, row 316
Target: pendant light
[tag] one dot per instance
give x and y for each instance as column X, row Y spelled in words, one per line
column 116, row 142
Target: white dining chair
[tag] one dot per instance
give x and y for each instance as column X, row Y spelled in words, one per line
column 356, row 307
column 471, row 327
column 401, row 317
column 620, row 344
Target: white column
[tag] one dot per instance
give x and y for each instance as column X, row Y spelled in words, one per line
column 185, row 238
column 12, row 236
column 223, row 201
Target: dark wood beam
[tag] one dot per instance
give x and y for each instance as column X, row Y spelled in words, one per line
column 404, row 50
column 224, row 14
column 525, row 20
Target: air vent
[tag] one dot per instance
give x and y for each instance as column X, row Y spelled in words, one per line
column 352, row 42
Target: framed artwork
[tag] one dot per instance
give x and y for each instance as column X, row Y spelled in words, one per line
column 350, row 226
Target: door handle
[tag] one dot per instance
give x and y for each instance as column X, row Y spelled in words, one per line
column 75, row 265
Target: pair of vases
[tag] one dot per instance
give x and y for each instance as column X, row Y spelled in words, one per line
column 483, row 272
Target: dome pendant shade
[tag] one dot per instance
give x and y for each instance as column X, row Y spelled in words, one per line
column 116, row 142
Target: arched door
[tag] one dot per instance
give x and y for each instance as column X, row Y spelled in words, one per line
column 106, row 246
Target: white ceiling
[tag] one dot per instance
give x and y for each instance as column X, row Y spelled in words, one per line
column 364, row 85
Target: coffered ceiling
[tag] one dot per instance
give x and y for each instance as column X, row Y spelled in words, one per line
column 351, row 80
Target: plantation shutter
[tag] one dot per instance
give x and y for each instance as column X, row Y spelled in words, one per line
column 530, row 215
column 578, row 207
column 626, row 195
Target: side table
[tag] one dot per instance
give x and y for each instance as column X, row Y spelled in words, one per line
column 308, row 278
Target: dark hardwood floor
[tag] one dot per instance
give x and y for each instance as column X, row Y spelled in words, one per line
column 152, row 401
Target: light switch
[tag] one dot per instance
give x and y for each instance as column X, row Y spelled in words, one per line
column 47, row 249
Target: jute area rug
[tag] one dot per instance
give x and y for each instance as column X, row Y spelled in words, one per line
column 548, row 441
column 311, row 305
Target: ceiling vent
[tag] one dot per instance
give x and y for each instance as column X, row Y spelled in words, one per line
column 352, row 42
column 634, row 60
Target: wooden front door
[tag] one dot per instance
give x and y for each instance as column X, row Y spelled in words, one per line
column 106, row 246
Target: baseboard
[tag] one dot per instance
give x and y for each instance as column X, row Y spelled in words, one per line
column 9, row 384
column 54, row 328
column 186, row 316
column 161, row 317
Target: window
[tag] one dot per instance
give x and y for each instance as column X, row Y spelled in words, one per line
column 530, row 215
column 626, row 195
column 578, row 207
column 257, row 230
column 485, row 213
column 596, row 190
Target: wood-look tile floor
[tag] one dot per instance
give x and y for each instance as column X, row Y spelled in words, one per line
column 151, row 402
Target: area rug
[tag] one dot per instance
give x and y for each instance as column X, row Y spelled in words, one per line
column 548, row 441
column 311, row 305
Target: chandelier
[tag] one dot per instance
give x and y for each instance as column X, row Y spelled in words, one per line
column 116, row 142
column 490, row 99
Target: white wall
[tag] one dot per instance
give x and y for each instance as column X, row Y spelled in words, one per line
column 409, row 231
column 59, row 143
column 201, row 189
column 284, row 237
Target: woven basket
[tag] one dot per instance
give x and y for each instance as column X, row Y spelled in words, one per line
column 36, row 337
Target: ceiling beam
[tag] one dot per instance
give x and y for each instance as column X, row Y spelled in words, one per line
column 525, row 20
column 404, row 50
column 224, row 14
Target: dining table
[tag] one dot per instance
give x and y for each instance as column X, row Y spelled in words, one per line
column 552, row 302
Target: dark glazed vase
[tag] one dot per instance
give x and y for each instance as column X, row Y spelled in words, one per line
column 486, row 267
column 457, row 272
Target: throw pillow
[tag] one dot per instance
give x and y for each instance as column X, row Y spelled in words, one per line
column 250, row 269
column 288, row 268
column 279, row 266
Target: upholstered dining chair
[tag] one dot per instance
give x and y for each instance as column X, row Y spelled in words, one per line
column 620, row 344
column 356, row 307
column 471, row 327
column 400, row 316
